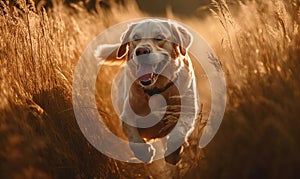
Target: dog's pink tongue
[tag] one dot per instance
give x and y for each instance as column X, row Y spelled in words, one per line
column 144, row 72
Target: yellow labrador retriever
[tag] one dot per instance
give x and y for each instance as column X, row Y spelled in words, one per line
column 157, row 84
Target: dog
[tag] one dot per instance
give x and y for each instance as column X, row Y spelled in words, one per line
column 157, row 77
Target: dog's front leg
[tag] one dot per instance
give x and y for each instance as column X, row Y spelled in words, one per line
column 178, row 137
column 143, row 151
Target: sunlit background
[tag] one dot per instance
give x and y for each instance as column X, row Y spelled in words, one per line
column 258, row 44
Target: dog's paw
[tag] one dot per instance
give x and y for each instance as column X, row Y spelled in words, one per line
column 174, row 157
column 144, row 152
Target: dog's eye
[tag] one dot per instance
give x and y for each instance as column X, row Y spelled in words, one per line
column 159, row 38
column 136, row 38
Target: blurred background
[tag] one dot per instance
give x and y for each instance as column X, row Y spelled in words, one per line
column 257, row 43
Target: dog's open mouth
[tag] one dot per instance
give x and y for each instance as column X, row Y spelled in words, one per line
column 147, row 73
column 148, row 79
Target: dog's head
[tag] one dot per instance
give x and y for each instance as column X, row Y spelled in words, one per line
column 156, row 48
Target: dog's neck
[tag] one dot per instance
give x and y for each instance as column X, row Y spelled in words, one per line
column 156, row 90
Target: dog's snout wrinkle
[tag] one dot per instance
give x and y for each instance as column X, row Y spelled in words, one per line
column 142, row 51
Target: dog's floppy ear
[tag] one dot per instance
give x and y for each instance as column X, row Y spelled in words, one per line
column 106, row 54
column 123, row 49
column 182, row 37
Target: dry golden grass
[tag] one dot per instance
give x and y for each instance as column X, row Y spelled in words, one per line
column 39, row 134
column 259, row 48
column 259, row 136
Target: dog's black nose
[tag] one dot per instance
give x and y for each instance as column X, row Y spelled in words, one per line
column 142, row 51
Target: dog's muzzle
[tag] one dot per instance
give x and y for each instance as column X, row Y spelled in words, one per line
column 149, row 65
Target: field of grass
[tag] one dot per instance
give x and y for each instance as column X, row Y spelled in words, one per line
column 257, row 43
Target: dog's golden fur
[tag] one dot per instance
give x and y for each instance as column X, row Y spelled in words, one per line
column 167, row 44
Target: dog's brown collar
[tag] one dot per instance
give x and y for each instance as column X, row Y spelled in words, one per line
column 156, row 90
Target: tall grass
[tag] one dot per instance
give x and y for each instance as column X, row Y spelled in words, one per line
column 259, row 136
column 39, row 135
column 259, row 50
